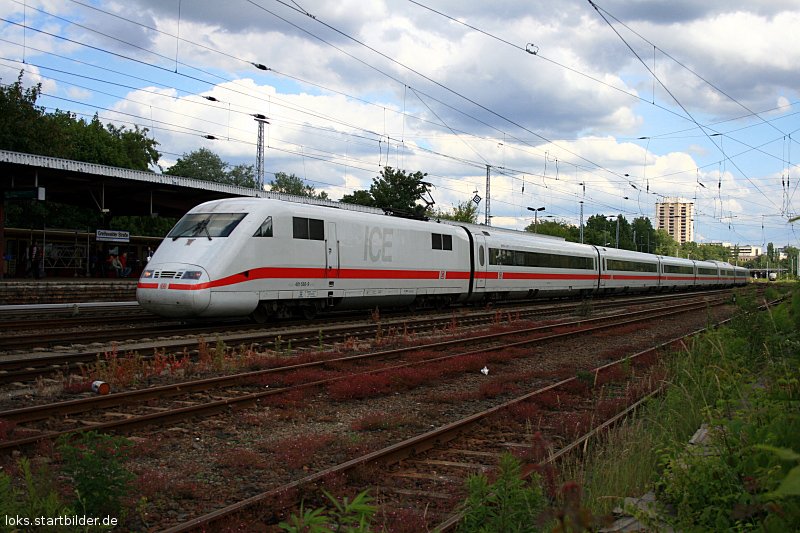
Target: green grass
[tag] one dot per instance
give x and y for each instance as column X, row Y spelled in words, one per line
column 742, row 381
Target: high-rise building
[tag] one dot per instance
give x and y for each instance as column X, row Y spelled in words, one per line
column 676, row 217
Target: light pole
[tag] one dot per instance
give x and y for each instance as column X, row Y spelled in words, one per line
column 617, row 217
column 535, row 216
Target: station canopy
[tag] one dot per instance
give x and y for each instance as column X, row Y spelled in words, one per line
column 118, row 191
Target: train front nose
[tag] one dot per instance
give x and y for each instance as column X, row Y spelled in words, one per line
column 174, row 289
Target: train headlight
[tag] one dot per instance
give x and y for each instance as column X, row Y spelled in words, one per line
column 147, row 274
column 192, row 274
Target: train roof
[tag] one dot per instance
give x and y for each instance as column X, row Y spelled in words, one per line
column 250, row 203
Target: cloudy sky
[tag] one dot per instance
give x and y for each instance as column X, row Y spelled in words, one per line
column 617, row 107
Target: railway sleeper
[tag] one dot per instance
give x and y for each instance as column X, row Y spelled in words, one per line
column 436, row 478
column 416, row 493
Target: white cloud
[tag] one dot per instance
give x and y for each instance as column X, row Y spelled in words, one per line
column 76, row 93
column 577, row 101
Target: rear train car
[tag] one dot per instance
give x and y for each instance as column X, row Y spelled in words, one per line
column 518, row 265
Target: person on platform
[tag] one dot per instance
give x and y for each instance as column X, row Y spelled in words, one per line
column 116, row 265
column 123, row 260
column 35, row 258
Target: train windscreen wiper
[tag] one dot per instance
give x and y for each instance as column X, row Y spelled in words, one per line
column 197, row 229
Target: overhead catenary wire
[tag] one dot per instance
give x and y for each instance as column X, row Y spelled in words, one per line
column 509, row 145
column 675, row 98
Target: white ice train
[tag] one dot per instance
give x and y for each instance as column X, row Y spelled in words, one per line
column 269, row 257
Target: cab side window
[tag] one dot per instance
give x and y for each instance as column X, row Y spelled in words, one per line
column 308, row 228
column 441, row 242
column 265, row 229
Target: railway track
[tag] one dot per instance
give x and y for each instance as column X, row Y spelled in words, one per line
column 28, row 367
column 425, row 476
column 126, row 322
column 203, row 397
column 84, row 418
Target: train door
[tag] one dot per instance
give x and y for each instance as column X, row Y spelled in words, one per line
column 481, row 261
column 332, row 252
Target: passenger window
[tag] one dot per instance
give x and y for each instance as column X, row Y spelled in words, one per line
column 447, row 242
column 265, row 229
column 481, row 256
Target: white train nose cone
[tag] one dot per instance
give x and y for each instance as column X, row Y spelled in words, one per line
column 174, row 290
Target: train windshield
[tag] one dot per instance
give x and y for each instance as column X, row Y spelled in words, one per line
column 206, row 225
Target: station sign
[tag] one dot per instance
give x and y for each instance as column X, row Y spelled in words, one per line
column 36, row 193
column 112, row 235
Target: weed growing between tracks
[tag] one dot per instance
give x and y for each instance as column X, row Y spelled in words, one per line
column 88, row 477
column 741, row 381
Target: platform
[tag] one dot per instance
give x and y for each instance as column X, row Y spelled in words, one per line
column 66, row 290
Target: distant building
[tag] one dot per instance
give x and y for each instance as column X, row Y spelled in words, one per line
column 746, row 252
column 676, row 217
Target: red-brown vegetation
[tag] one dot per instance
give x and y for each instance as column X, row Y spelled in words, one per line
column 240, row 459
column 6, row 428
column 360, row 387
column 298, row 451
column 380, row 420
column 401, row 520
column 523, row 412
column 612, row 374
column 308, row 375
column 290, row 398
column 497, row 387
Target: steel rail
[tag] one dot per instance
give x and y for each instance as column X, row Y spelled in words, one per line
column 39, row 412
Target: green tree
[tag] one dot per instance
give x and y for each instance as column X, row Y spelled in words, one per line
column 465, row 211
column 399, row 191
column 20, row 118
column 137, row 151
column 790, row 263
column 243, row 176
column 705, row 252
column 643, row 234
column 557, row 228
column 201, row 164
column 599, row 231
column 359, row 197
column 25, row 127
column 291, row 184
column 665, row 244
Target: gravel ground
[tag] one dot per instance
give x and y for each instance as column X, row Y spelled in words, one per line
column 193, row 467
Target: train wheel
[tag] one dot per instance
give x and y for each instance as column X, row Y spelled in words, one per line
column 260, row 315
column 309, row 312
